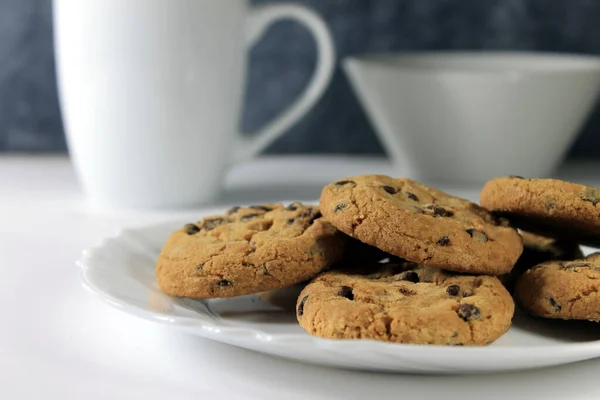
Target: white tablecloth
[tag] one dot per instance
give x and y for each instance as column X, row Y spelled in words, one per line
column 58, row 342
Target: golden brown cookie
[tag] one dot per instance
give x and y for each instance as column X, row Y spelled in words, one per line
column 248, row 250
column 421, row 224
column 549, row 207
column 562, row 290
column 536, row 250
column 405, row 303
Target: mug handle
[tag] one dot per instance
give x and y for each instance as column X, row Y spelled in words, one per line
column 259, row 19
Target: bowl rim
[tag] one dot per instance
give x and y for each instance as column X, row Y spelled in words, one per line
column 414, row 62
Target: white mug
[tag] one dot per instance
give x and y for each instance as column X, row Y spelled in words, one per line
column 469, row 117
column 151, row 93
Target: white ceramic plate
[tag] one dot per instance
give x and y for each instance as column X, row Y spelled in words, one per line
column 121, row 272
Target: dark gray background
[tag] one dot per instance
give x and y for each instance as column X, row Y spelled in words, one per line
column 282, row 62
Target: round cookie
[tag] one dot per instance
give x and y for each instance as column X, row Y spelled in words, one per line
column 248, row 250
column 549, row 207
column 406, row 303
column 562, row 290
column 421, row 224
column 536, row 250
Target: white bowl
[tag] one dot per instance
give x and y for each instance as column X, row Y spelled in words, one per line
column 473, row 116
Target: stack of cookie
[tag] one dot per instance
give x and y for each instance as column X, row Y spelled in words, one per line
column 564, row 285
column 392, row 259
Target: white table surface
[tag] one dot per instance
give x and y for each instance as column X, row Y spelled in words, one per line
column 58, row 342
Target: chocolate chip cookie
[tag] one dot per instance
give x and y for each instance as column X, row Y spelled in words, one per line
column 421, row 224
column 549, row 207
column 405, row 303
column 248, row 250
column 536, row 250
column 562, row 290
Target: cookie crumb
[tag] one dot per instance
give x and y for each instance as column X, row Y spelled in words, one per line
column 444, row 241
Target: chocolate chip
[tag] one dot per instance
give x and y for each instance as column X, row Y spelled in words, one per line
column 440, row 211
column 590, row 195
column 210, row 224
column 444, row 241
column 342, row 183
column 339, row 207
column 248, row 217
column 410, row 276
column 292, row 207
column 516, row 177
column 407, row 292
column 468, row 312
column 346, row 291
column 306, row 213
column 261, row 207
column 300, row 311
column 233, row 210
column 224, row 283
column 554, row 304
column 453, row 290
column 412, row 196
column 191, row 229
column 291, row 221
column 477, row 235
column 389, row 189
column 200, row 267
column 311, row 214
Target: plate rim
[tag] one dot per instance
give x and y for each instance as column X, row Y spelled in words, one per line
column 206, row 328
